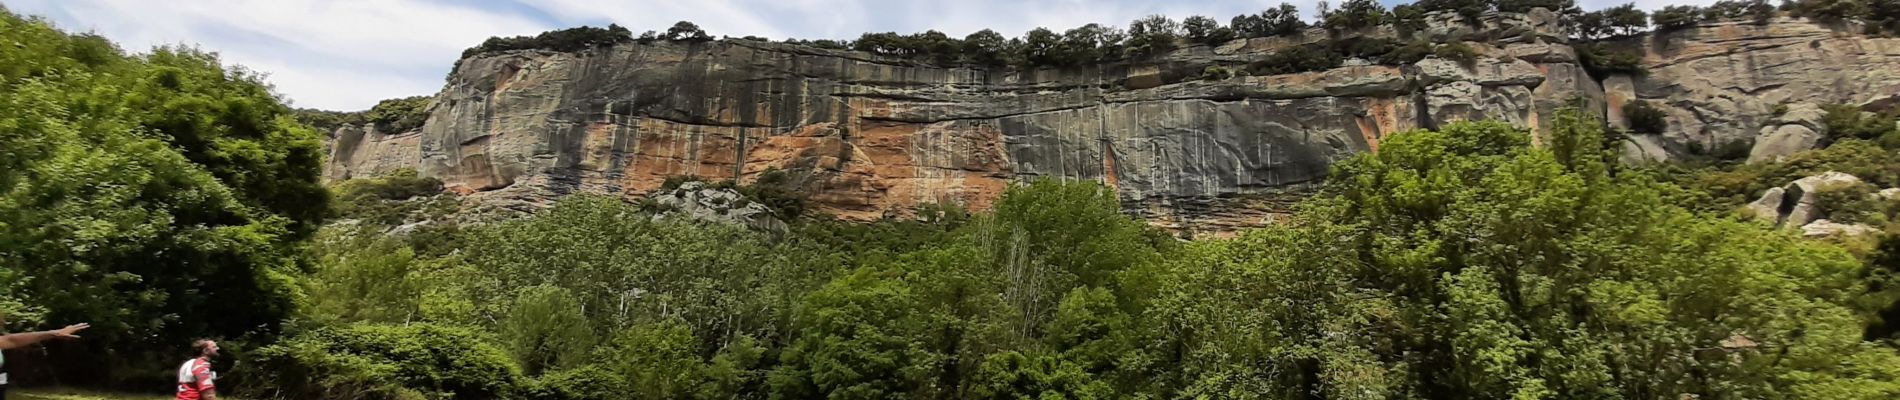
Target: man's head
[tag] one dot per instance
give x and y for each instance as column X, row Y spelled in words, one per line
column 205, row 347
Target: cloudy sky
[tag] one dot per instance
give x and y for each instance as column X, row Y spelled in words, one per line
column 347, row 54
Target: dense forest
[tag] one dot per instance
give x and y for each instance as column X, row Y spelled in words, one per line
column 163, row 196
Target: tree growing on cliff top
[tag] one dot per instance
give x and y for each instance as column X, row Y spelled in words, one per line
column 1279, row 21
column 1206, row 31
column 686, row 31
column 1152, row 35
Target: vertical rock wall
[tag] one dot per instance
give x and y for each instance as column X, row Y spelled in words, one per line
column 869, row 137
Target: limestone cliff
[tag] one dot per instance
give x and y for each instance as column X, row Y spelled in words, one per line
column 869, row 137
column 1755, row 84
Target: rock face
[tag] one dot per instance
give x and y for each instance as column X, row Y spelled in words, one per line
column 362, row 151
column 869, row 137
column 1723, row 82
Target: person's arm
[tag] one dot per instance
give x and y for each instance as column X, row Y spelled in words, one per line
column 207, row 390
column 19, row 340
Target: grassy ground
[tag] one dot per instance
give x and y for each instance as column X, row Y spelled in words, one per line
column 78, row 394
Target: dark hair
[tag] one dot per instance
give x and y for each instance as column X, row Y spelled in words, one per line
column 199, row 346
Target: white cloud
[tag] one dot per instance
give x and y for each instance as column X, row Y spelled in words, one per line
column 347, row 54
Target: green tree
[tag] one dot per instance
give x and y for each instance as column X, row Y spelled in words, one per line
column 1279, row 21
column 1625, row 19
column 686, row 31
column 1354, row 15
column 159, row 196
column 545, row 330
column 1151, row 35
column 986, row 47
column 1206, row 31
column 1677, row 17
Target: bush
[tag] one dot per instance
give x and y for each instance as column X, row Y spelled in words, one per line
column 1850, row 122
column 391, row 199
column 1295, row 59
column 1645, row 118
column 415, row 361
column 1216, row 72
column 591, row 382
column 399, row 115
column 1850, row 204
column 1600, row 61
column 565, row 40
column 1457, row 51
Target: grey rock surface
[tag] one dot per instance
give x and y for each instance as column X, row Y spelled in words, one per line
column 868, row 137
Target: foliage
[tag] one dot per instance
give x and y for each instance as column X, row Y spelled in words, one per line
column 1676, row 17
column 417, row 361
column 1479, row 264
column 545, row 330
column 1756, row 10
column 400, row 115
column 1645, row 118
column 1457, row 51
column 1152, row 35
column 325, row 122
column 564, row 40
column 1601, row 60
column 157, row 196
column 1295, row 59
column 1733, row 186
column 399, row 197
column 1278, row 21
column 1849, row 122
column 684, row 31
column 1206, row 31
column 1354, row 15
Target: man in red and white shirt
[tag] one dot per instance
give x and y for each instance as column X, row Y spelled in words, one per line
column 194, row 378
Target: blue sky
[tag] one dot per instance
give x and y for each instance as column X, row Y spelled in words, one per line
column 347, row 54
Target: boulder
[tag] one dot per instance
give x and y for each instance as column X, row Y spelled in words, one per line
column 1768, row 207
column 701, row 202
column 1821, row 228
column 1794, row 205
column 1796, row 130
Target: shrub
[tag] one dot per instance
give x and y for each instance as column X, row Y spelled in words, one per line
column 1216, row 72
column 1849, row 204
column 399, row 115
column 1600, row 61
column 1849, row 122
column 1295, row 59
column 1457, row 51
column 1645, row 118
column 390, row 199
column 591, row 382
column 415, row 361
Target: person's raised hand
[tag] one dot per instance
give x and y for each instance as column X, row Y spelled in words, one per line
column 71, row 331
